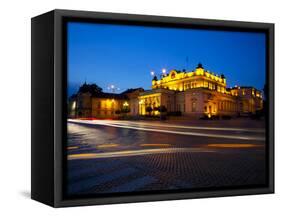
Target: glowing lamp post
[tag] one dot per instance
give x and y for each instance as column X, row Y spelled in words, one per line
column 164, row 72
column 112, row 88
column 125, row 104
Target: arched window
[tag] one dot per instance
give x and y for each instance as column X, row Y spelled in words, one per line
column 205, row 108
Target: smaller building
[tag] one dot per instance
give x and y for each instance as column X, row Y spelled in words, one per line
column 97, row 104
column 249, row 99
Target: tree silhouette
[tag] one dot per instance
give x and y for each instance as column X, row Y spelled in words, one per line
column 162, row 108
column 148, row 109
column 90, row 88
column 125, row 110
column 118, row 112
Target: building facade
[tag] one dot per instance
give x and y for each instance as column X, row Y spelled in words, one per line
column 104, row 105
column 200, row 93
column 197, row 93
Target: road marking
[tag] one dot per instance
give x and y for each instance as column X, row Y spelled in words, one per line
column 174, row 132
column 107, row 145
column 233, row 145
column 129, row 153
column 72, row 147
column 155, row 145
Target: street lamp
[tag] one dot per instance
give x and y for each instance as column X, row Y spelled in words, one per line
column 125, row 104
column 113, row 88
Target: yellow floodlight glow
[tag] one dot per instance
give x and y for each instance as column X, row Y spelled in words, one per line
column 72, row 147
column 107, row 145
column 155, row 145
column 74, row 105
column 233, row 145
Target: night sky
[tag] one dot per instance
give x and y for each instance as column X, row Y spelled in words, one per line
column 125, row 55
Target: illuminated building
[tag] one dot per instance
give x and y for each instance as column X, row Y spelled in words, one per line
column 195, row 94
column 199, row 93
column 104, row 105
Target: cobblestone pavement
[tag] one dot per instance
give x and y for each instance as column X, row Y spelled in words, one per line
column 107, row 159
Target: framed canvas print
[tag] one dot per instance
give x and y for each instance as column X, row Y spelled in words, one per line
column 131, row 108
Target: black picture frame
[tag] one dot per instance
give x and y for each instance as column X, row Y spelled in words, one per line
column 49, row 113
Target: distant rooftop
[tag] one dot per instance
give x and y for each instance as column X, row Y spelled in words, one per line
column 109, row 95
column 130, row 90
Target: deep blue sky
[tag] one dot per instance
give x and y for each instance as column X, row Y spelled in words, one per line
column 124, row 55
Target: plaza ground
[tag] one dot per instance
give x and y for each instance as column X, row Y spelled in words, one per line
column 106, row 156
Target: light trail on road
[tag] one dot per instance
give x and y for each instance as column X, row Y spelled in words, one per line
column 257, row 130
column 127, row 125
column 129, row 153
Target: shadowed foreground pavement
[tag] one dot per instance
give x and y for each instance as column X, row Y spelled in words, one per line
column 108, row 156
